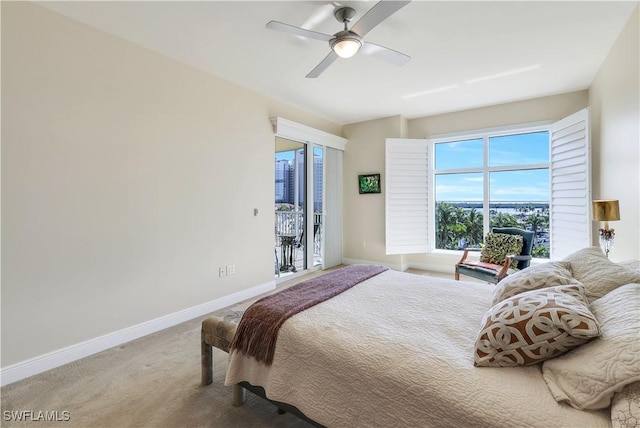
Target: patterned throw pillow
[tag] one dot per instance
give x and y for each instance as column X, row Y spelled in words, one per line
column 533, row 326
column 599, row 274
column 545, row 275
column 497, row 246
column 588, row 376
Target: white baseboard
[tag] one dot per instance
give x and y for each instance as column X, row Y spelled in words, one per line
column 446, row 268
column 432, row 267
column 369, row 262
column 51, row 360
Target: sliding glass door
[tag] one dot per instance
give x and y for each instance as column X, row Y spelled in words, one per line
column 290, row 207
column 300, row 214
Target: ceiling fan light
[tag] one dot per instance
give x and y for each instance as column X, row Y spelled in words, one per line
column 346, row 47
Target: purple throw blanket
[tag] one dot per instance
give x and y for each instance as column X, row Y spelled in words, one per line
column 257, row 332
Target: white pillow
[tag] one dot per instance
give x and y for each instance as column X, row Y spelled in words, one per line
column 625, row 407
column 631, row 264
column 588, row 376
column 599, row 274
column 545, row 275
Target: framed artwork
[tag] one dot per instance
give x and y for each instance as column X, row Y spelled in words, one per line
column 369, row 183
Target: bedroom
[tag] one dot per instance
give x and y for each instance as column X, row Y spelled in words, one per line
column 98, row 216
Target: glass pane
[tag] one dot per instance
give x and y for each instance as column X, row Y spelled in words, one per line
column 283, row 162
column 459, row 210
column 300, row 251
column 289, row 208
column 521, row 199
column 318, row 159
column 458, row 154
column 519, row 149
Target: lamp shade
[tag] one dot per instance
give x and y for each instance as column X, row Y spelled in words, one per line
column 346, row 47
column 606, row 210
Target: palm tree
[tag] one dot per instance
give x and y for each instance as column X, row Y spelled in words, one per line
column 459, row 229
column 474, row 226
column 460, row 215
column 536, row 221
column 504, row 220
column 445, row 219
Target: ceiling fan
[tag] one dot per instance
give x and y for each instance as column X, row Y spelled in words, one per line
column 348, row 42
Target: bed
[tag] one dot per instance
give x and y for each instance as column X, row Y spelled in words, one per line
column 398, row 349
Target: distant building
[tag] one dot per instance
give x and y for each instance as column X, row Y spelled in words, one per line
column 285, row 176
column 317, row 180
column 282, row 173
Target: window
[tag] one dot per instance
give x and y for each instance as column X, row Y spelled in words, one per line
column 502, row 177
column 447, row 193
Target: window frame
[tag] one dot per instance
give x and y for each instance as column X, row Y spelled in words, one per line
column 485, row 169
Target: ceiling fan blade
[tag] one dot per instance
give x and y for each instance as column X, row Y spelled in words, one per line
column 324, row 64
column 281, row 26
column 378, row 13
column 386, row 54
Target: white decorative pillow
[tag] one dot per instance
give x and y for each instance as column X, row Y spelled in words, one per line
column 533, row 326
column 599, row 274
column 625, row 407
column 631, row 264
column 540, row 276
column 588, row 376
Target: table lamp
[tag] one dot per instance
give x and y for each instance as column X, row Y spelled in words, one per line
column 606, row 210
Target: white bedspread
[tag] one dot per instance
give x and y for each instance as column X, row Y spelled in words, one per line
column 396, row 351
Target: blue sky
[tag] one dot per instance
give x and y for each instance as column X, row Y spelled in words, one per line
column 284, row 155
column 290, row 154
column 524, row 185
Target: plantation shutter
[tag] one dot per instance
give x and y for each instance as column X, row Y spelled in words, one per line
column 570, row 185
column 406, row 196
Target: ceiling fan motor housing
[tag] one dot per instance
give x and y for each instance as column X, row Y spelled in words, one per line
column 344, row 14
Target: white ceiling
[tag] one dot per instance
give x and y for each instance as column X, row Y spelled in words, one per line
column 464, row 54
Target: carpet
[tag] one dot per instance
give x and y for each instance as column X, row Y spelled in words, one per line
column 150, row 382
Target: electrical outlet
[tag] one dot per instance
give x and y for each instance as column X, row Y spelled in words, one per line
column 231, row 269
column 222, row 272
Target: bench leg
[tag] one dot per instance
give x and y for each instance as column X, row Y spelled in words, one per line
column 207, row 363
column 239, row 395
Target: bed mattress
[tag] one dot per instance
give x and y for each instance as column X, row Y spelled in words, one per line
column 397, row 350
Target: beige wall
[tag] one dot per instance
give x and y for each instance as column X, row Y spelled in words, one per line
column 364, row 232
column 127, row 180
column 535, row 110
column 614, row 99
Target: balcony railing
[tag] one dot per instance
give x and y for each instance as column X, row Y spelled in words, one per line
column 289, row 230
